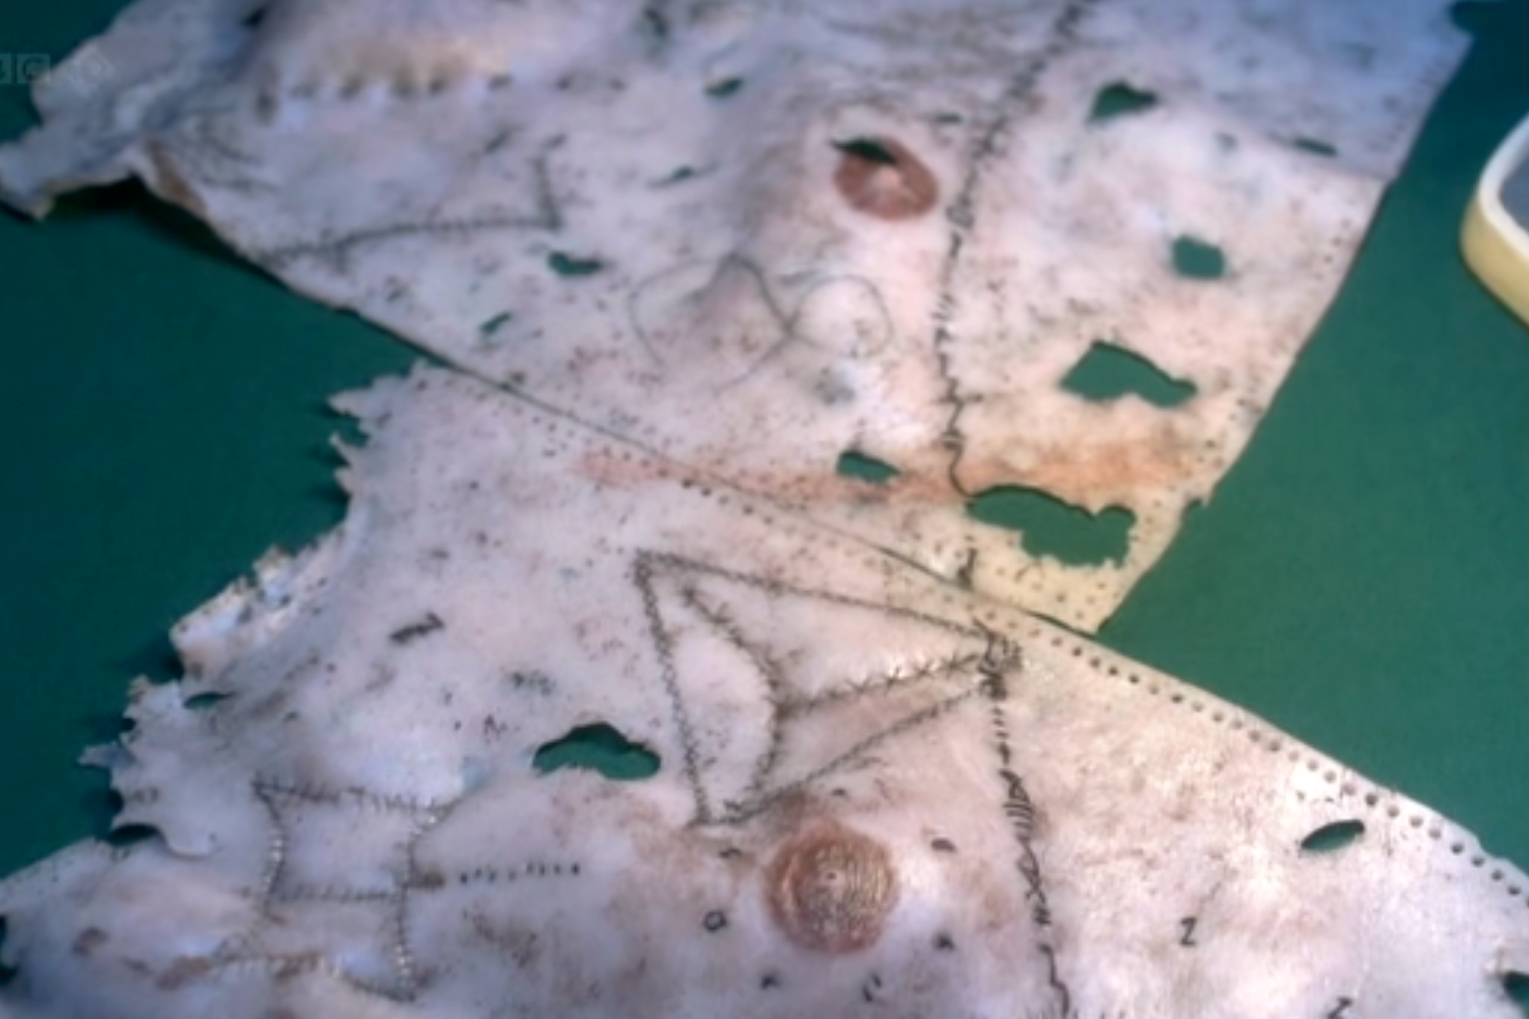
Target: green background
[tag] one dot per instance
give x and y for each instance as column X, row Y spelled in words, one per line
column 1361, row 578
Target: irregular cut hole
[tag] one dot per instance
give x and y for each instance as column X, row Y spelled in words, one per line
column 1119, row 99
column 7, row 973
column 678, row 175
column 130, row 835
column 203, row 701
column 568, row 265
column 489, row 327
column 1329, row 837
column 854, row 464
column 1514, row 984
column 881, row 177
column 1108, row 372
column 1316, row 146
column 724, row 88
column 599, row 747
column 1050, row 527
column 1197, row 260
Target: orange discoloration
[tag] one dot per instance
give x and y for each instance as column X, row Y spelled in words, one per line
column 830, row 889
column 1094, row 474
column 883, row 178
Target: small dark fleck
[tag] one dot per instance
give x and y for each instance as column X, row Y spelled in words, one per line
column 657, row 24
column 567, row 265
column 724, row 88
column 944, row 942
column 715, row 920
column 491, row 326
column 1316, row 146
column 414, row 631
column 943, row 845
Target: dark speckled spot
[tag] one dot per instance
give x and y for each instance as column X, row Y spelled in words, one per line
column 883, row 178
column 830, row 889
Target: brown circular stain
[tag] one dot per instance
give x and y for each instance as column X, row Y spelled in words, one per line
column 881, row 177
column 830, row 889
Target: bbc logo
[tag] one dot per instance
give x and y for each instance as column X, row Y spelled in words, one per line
column 23, row 68
column 82, row 73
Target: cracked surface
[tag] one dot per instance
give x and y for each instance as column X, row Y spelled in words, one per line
column 756, row 236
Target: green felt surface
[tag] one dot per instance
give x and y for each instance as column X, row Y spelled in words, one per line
column 1361, row 578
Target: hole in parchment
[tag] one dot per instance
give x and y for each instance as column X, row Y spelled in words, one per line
column 1514, row 984
column 253, row 19
column 130, row 835
column 203, row 701
column 488, row 327
column 1197, row 260
column 1050, row 527
column 569, row 265
column 881, row 177
column 1316, row 146
column 1334, row 836
column 7, row 973
column 1119, row 99
column 1108, row 372
column 678, row 175
column 724, row 88
column 599, row 747
column 855, row 464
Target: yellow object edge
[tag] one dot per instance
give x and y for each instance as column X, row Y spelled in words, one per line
column 1496, row 247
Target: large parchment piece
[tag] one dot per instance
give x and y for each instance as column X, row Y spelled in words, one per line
column 877, row 795
column 758, row 237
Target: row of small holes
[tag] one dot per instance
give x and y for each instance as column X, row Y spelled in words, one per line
column 1371, row 799
column 1096, row 663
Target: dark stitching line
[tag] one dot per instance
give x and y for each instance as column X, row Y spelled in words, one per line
column 961, row 216
column 394, row 903
column 890, row 679
column 679, row 562
column 337, row 250
column 1018, row 808
column 768, row 669
column 739, row 813
column 663, row 647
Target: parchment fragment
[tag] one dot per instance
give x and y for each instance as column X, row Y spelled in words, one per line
column 760, row 237
column 875, row 795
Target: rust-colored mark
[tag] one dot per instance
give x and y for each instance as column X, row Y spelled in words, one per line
column 831, row 889
column 881, row 177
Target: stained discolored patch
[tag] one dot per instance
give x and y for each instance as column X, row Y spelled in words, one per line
column 831, row 889
column 881, row 177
